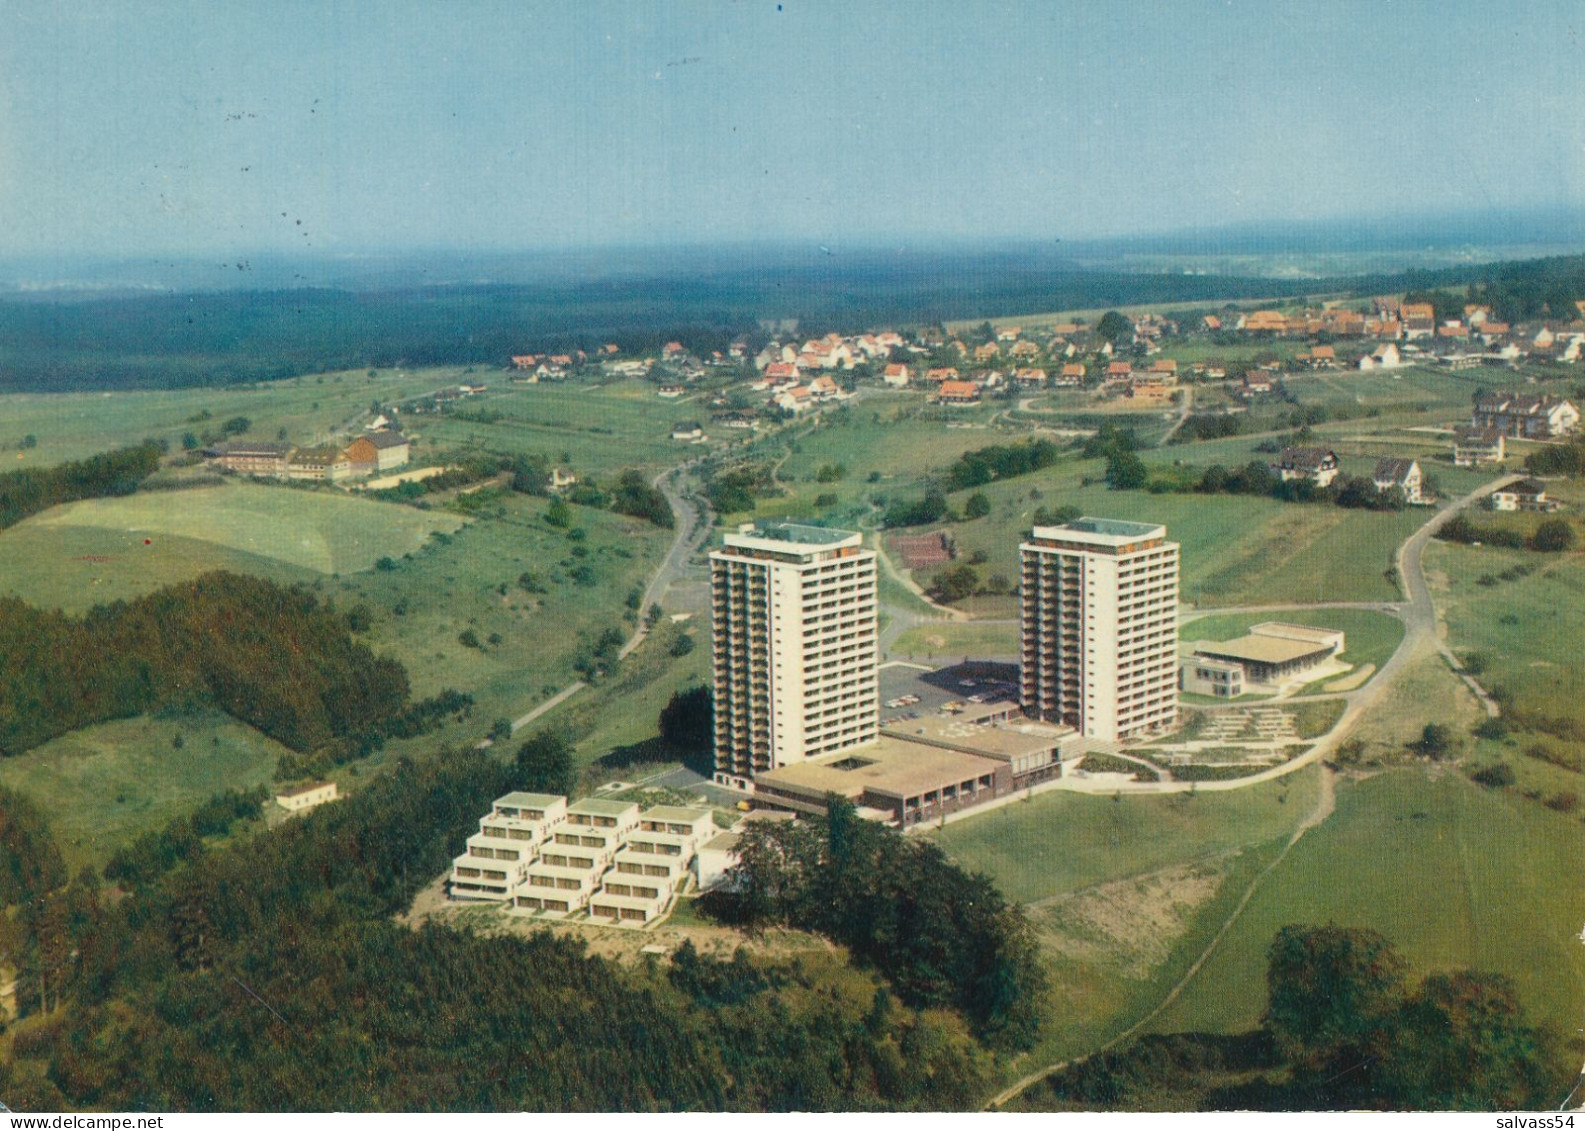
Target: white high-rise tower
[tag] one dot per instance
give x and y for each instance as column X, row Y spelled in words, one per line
column 1100, row 627
column 794, row 647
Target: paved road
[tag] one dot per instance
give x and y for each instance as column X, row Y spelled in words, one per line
column 692, row 526
column 1420, row 632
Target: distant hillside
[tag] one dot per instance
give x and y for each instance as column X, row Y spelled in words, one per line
column 222, row 337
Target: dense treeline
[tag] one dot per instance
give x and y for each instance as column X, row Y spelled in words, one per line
column 633, row 496
column 180, row 339
column 30, row 863
column 154, row 853
column 1552, row 535
column 271, row 656
column 1000, row 461
column 270, row 975
column 28, row 492
column 943, row 936
column 1344, row 1029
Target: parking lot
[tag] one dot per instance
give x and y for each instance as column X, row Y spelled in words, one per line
column 932, row 690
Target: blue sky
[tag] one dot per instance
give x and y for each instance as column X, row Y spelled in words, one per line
column 190, row 128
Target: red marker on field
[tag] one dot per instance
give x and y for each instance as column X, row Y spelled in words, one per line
column 148, row 541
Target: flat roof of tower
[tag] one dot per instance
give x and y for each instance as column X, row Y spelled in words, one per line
column 1117, row 527
column 1113, row 533
column 797, row 532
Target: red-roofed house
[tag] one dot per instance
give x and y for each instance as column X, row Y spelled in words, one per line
column 958, row 393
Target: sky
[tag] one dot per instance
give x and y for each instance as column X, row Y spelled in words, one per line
column 341, row 127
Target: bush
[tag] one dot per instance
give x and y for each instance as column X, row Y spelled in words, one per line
column 1499, row 775
column 1553, row 536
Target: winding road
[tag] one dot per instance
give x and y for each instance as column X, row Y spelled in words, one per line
column 1420, row 633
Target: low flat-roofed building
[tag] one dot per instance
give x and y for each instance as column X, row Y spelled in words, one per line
column 655, row 865
column 716, row 858
column 1274, row 651
column 1221, row 679
column 693, row 825
column 626, row 910
column 895, row 779
column 584, row 841
column 1033, row 751
column 299, row 798
column 598, row 813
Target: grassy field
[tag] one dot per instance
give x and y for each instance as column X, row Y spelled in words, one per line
column 102, row 785
column 74, row 425
column 1059, row 842
column 82, row 553
column 955, row 639
column 1369, row 637
column 1528, row 630
column 1125, row 894
column 597, row 430
column 1236, row 550
column 1452, row 874
column 470, row 582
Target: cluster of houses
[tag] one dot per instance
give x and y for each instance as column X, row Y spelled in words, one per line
column 800, row 375
column 1320, row 467
column 620, row 864
column 369, row 454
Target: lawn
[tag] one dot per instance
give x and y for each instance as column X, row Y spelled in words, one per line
column 1235, row 550
column 596, row 430
column 1528, row 630
column 83, row 552
column 1125, row 893
column 1452, row 874
column 1369, row 637
column 103, row 785
column 310, row 409
column 1059, row 842
column 951, row 640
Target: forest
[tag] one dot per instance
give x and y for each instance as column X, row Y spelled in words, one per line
column 31, row 491
column 270, row 975
column 222, row 338
column 944, row 937
column 272, row 656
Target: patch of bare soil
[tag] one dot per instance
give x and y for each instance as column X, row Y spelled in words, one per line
column 1132, row 924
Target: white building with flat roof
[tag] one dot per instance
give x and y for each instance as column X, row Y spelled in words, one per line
column 794, row 647
column 508, row 842
column 1100, row 627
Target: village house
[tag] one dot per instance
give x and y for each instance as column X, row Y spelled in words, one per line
column 671, row 391
column 1119, row 372
column 1403, row 474
column 1164, row 370
column 1474, row 446
column 1313, row 465
column 690, row 431
column 896, row 376
column 1384, row 356
column 1030, row 378
column 301, row 798
column 823, row 389
column 1525, row 495
column 1266, row 322
column 1524, row 415
column 1071, row 376
column 794, row 398
column 961, row 393
column 1419, row 320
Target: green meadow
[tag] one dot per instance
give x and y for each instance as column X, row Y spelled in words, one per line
column 1453, row 874
column 103, row 785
